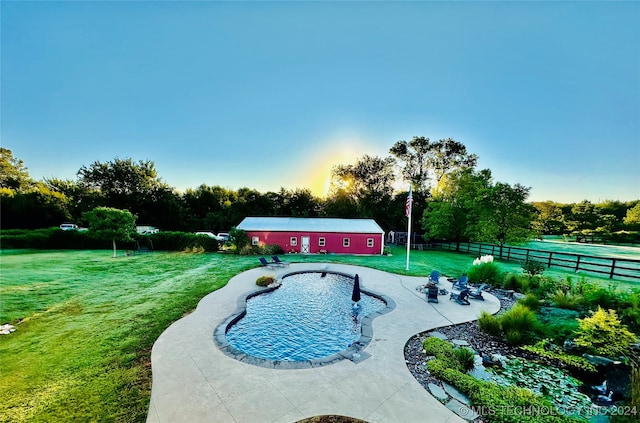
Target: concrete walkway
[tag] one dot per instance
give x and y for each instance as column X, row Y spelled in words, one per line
column 193, row 381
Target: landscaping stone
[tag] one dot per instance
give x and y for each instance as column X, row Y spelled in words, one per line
column 7, row 329
column 439, row 335
column 460, row 343
column 438, row 392
column 461, row 410
column 451, row 390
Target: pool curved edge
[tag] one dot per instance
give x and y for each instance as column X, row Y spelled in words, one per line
column 353, row 353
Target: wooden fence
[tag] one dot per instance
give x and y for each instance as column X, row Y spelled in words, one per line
column 610, row 266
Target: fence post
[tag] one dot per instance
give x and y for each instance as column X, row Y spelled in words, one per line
column 550, row 255
column 613, row 266
column 578, row 262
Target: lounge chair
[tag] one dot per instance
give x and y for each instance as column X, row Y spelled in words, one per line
column 432, row 294
column 461, row 283
column 265, row 263
column 461, row 298
column 476, row 294
column 276, row 260
column 434, row 277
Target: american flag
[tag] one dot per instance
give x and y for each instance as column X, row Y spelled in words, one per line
column 407, row 207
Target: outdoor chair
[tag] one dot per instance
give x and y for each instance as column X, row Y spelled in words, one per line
column 434, row 277
column 432, row 294
column 461, row 283
column 265, row 263
column 276, row 260
column 461, row 298
column 476, row 294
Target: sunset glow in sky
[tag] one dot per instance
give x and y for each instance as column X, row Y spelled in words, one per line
column 273, row 94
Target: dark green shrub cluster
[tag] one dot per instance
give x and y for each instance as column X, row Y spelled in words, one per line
column 50, row 238
column 564, row 299
column 265, row 280
column 486, row 395
column 489, row 323
column 556, row 324
column 530, row 301
column 485, row 273
column 514, row 324
column 533, row 267
column 466, row 358
column 178, row 241
column 262, row 250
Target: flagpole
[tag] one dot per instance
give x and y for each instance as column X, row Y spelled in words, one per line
column 410, row 205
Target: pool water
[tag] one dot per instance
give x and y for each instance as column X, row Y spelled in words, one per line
column 309, row 316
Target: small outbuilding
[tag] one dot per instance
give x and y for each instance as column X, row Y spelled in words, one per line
column 316, row 235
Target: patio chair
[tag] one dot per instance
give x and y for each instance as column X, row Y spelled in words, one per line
column 276, row 260
column 461, row 283
column 432, row 294
column 265, row 263
column 434, row 277
column 476, row 294
column 461, row 298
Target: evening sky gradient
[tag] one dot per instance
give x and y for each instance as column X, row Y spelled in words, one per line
column 272, row 94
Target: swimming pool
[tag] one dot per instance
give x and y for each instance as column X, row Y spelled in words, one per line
column 309, row 318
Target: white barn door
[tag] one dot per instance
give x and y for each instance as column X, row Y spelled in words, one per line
column 305, row 242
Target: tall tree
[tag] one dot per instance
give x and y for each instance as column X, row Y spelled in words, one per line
column 425, row 163
column 452, row 213
column 369, row 183
column 504, row 216
column 111, row 224
column 548, row 219
column 13, row 174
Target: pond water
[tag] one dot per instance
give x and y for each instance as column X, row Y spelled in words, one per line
column 309, row 316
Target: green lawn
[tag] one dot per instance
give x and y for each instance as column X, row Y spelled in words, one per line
column 86, row 322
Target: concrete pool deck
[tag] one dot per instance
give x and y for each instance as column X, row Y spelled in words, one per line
column 194, row 381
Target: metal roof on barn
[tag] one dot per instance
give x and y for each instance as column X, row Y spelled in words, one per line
column 310, row 224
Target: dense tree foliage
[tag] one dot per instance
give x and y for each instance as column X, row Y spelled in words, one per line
column 451, row 199
column 425, row 163
column 111, row 224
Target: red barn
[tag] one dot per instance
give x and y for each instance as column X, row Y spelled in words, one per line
column 315, row 234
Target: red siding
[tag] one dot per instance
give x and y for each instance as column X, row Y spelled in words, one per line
column 333, row 241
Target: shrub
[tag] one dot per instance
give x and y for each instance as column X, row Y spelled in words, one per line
column 442, row 350
column 530, row 301
column 518, row 319
column 556, row 323
column 511, row 281
column 466, row 358
column 489, row 323
column 562, row 299
column 178, row 241
column 602, row 333
column 545, row 349
column 533, row 267
column 514, row 337
column 265, row 280
column 485, row 273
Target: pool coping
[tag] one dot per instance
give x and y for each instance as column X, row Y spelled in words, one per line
column 355, row 352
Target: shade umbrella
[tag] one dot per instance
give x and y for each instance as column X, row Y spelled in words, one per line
column 355, row 295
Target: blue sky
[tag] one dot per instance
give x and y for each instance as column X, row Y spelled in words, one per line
column 272, row 94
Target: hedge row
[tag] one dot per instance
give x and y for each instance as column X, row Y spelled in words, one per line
column 55, row 238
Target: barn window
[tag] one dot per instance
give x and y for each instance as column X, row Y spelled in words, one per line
column 369, row 242
column 293, row 241
column 346, row 242
column 321, row 241
column 255, row 240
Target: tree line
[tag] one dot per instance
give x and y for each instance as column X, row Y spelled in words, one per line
column 451, row 198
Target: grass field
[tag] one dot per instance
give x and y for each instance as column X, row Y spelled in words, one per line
column 86, row 322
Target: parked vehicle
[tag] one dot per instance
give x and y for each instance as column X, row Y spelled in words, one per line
column 223, row 236
column 69, row 227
